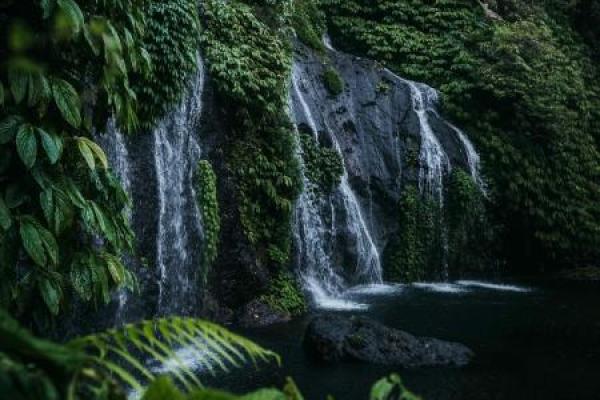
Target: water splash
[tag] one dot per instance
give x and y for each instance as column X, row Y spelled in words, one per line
column 494, row 286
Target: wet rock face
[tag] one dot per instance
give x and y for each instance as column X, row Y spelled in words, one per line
column 375, row 126
column 334, row 338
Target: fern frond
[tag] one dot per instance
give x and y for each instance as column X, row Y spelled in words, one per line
column 124, row 352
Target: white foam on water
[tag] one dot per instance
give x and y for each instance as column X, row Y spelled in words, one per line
column 494, row 286
column 376, row 289
column 440, row 287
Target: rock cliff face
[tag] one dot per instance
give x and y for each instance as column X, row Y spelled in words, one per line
column 388, row 134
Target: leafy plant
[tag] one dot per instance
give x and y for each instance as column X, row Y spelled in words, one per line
column 323, row 166
column 249, row 58
column 333, row 82
column 206, row 192
column 97, row 366
column 285, row 295
column 171, row 40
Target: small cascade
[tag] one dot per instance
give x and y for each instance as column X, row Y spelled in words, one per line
column 434, row 162
column 325, row 280
column 176, row 153
column 113, row 143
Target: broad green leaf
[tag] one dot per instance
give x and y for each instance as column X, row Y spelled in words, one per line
column 1, row 94
column 49, row 243
column 51, row 292
column 87, row 154
column 98, row 152
column 5, row 159
column 73, row 13
column 52, row 144
column 9, row 127
column 67, row 101
column 27, row 145
column 18, row 83
column 32, row 242
column 5, row 218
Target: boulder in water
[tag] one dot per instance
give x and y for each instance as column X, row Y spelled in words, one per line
column 334, row 338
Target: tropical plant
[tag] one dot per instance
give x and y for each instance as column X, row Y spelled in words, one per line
column 248, row 56
column 206, row 193
column 171, row 39
column 63, row 222
column 100, row 366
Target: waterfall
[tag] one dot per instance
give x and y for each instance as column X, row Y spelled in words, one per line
column 113, row 144
column 176, row 153
column 371, row 125
column 315, row 238
column 156, row 169
column 434, row 161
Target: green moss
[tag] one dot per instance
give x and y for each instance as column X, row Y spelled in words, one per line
column 323, row 166
column 415, row 252
column 206, row 192
column 469, row 233
column 333, row 82
column 284, row 295
column 309, row 24
column 249, row 58
column 171, row 39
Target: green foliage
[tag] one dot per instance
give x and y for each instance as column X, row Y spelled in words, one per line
column 524, row 87
column 206, row 189
column 96, row 367
column 416, row 252
column 172, row 40
column 333, row 82
column 284, row 295
column 389, row 388
column 62, row 212
column 323, row 166
column 249, row 58
column 309, row 24
column 470, row 238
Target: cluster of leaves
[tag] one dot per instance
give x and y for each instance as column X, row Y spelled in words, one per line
column 308, row 22
column 524, row 87
column 333, row 81
column 284, row 295
column 416, row 251
column 172, row 40
column 389, row 388
column 469, row 234
column 208, row 203
column 249, row 60
column 63, row 215
column 100, row 366
column 323, row 166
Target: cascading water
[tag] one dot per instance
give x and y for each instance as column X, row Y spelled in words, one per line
column 176, row 153
column 322, row 278
column 113, row 143
column 338, row 244
column 434, row 162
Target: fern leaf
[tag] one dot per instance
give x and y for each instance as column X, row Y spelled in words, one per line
column 160, row 339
